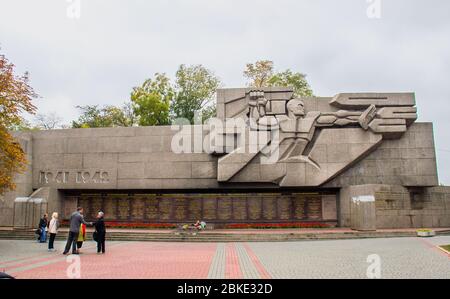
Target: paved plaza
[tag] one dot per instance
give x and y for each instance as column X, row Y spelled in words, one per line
column 399, row 258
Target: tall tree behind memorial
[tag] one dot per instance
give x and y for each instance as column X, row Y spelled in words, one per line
column 195, row 88
column 93, row 116
column 48, row 121
column 16, row 97
column 261, row 74
column 151, row 100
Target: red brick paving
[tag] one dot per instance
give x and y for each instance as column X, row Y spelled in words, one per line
column 18, row 260
column 136, row 260
column 195, row 260
column 32, row 260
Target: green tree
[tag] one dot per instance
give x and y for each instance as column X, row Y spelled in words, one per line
column 195, row 88
column 129, row 115
column 295, row 80
column 108, row 116
column 151, row 101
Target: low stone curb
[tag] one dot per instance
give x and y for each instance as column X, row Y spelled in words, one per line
column 222, row 237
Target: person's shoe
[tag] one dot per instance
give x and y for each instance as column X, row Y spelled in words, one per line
column 65, row 253
column 75, row 253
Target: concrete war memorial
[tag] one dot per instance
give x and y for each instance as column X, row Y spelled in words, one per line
column 355, row 160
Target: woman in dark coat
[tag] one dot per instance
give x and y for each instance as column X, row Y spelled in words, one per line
column 100, row 231
column 43, row 223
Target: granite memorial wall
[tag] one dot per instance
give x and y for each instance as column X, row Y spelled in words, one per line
column 360, row 160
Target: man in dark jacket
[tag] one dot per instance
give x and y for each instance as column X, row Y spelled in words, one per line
column 100, row 232
column 75, row 221
column 43, row 223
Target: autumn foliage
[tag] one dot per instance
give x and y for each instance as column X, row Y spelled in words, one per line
column 16, row 97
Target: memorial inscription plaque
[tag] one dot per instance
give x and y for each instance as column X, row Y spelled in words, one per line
column 123, row 208
column 151, row 208
column 224, row 211
column 187, row 208
column 239, row 209
column 209, row 208
column 165, row 209
column 269, row 208
column 284, row 207
column 254, row 208
column 138, row 208
column 110, row 208
column 195, row 209
column 96, row 206
column 299, row 207
column 314, row 208
column 180, row 208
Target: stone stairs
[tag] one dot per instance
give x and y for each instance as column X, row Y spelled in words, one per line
column 211, row 236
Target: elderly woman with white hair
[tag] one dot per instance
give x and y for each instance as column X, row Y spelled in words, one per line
column 53, row 230
column 100, row 232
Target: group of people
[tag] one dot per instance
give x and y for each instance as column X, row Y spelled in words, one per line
column 77, row 231
column 48, row 228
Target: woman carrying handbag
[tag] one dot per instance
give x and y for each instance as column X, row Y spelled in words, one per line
column 100, row 232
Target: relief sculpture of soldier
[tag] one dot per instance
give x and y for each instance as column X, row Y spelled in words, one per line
column 293, row 131
column 297, row 128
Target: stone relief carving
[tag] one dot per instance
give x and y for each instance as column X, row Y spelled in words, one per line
column 307, row 147
column 77, row 177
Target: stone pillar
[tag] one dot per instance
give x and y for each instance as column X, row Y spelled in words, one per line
column 23, row 181
column 28, row 210
column 363, row 213
column 360, row 203
column 21, row 212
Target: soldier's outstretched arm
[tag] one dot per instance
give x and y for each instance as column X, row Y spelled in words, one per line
column 344, row 118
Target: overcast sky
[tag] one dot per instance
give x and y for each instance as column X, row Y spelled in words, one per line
column 341, row 45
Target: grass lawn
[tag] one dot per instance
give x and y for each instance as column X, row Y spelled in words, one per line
column 446, row 247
